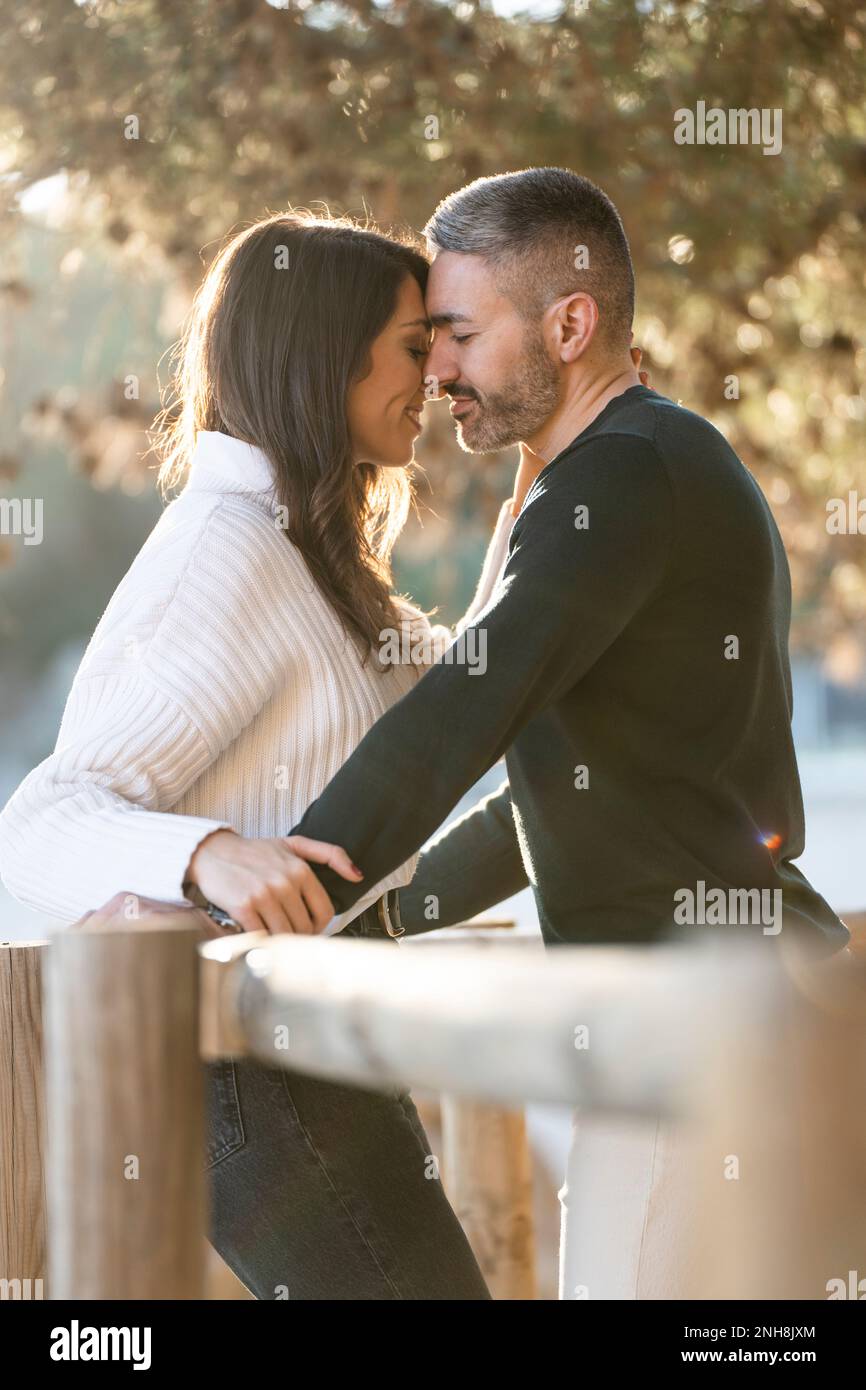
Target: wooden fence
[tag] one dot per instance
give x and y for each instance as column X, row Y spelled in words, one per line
column 103, row 1032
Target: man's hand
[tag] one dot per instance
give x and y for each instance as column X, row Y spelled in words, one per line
column 636, row 355
column 268, row 885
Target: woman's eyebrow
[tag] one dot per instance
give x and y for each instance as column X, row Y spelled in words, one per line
column 417, row 323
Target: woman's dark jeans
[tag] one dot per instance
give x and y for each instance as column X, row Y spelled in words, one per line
column 321, row 1190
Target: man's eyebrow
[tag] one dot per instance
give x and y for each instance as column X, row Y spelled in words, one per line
column 449, row 316
column 417, row 323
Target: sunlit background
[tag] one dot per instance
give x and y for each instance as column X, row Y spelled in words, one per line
column 750, row 269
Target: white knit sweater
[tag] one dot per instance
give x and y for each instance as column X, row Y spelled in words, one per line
column 218, row 690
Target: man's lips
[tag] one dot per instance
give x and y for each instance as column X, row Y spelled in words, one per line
column 460, row 405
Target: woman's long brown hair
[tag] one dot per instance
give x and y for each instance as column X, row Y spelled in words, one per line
column 280, row 328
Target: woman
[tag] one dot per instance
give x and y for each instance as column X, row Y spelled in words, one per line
column 233, row 671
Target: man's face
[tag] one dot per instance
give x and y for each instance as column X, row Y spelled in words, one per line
column 493, row 364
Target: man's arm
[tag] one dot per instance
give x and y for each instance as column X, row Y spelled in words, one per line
column 567, row 592
column 471, row 865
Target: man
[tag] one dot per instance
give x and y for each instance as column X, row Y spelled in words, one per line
column 636, row 674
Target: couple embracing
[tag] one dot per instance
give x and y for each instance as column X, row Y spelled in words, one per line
column 235, row 735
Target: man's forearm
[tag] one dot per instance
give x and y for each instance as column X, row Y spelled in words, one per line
column 381, row 807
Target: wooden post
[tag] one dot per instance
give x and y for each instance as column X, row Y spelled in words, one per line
column 755, row 1188
column 488, row 1178
column 487, row 1159
column 856, row 924
column 126, row 1180
column 780, row 1211
column 22, row 1189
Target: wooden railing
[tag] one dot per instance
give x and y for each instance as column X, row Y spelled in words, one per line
column 744, row 1041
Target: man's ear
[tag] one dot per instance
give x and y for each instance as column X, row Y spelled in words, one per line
column 575, row 323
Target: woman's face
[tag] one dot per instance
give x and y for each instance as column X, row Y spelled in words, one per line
column 384, row 409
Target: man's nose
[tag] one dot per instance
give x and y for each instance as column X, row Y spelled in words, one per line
column 439, row 371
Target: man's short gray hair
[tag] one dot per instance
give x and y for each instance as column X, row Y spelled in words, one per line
column 530, row 226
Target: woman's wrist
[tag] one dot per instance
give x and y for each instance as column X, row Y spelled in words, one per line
column 193, row 868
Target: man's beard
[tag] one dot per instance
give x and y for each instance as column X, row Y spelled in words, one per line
column 509, row 415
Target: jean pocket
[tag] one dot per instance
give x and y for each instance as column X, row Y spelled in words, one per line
column 225, row 1129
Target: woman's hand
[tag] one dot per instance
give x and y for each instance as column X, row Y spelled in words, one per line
column 268, row 885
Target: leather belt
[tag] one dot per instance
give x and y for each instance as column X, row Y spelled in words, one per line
column 381, row 918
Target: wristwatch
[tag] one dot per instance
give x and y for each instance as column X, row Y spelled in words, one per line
column 197, row 898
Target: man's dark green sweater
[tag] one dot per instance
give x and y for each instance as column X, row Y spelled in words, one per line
column 638, row 684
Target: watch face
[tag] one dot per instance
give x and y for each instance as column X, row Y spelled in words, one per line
column 216, row 914
column 221, row 918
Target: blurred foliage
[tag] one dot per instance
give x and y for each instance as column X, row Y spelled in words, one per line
column 748, row 265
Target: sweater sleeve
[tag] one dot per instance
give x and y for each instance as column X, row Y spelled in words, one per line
column 493, row 562
column 471, row 865
column 181, row 661
column 587, row 552
column 427, row 641
column 90, row 820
